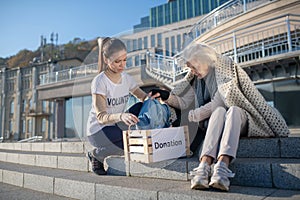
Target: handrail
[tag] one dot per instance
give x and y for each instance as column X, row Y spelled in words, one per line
column 223, row 13
column 285, row 38
column 32, row 139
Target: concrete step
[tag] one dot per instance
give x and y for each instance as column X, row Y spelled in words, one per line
column 281, row 173
column 71, row 161
column 58, row 147
column 248, row 147
column 84, row 185
column 8, row 192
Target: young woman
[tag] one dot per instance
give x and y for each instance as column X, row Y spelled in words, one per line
column 110, row 93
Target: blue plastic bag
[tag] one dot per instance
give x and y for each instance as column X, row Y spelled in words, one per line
column 154, row 115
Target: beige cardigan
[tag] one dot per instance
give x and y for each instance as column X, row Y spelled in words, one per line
column 237, row 89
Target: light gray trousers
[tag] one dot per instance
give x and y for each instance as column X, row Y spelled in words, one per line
column 223, row 132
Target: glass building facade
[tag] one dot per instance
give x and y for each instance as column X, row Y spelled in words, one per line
column 175, row 11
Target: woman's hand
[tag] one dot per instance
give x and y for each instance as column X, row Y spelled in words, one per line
column 129, row 119
column 193, row 115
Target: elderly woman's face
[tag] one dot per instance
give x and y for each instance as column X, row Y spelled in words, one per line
column 198, row 69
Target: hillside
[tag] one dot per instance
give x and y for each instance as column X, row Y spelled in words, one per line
column 75, row 48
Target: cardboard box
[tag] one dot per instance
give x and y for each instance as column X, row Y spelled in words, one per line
column 156, row 145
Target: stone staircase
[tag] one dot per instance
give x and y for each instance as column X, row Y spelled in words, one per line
column 265, row 169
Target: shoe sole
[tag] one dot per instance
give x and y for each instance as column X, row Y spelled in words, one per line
column 219, row 186
column 199, row 187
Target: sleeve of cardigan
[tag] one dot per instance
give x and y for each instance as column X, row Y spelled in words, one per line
column 99, row 101
column 139, row 93
column 205, row 111
column 181, row 102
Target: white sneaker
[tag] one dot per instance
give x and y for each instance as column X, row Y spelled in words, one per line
column 220, row 177
column 200, row 176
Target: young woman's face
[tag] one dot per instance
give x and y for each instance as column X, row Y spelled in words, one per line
column 198, row 69
column 117, row 62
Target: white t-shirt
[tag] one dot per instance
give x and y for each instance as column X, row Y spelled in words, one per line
column 116, row 95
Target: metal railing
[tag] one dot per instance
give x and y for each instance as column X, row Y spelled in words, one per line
column 32, row 139
column 250, row 43
column 268, row 38
column 70, row 74
column 222, row 14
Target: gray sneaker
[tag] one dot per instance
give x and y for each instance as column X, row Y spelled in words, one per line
column 220, row 177
column 200, row 176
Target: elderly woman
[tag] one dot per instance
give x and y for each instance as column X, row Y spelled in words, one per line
column 236, row 109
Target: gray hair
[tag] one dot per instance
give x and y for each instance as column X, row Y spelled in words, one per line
column 200, row 52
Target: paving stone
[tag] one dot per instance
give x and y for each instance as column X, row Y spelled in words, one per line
column 284, row 194
column 26, row 146
column 10, row 192
column 74, row 189
column 39, row 183
column 52, row 147
column 13, row 178
column 46, row 161
column 286, row 176
column 171, row 169
column 252, row 173
column 258, row 148
column 27, row 159
column 235, row 192
column 290, row 147
column 107, row 192
column 13, row 158
column 73, row 163
column 3, row 156
column 72, row 147
column 38, row 146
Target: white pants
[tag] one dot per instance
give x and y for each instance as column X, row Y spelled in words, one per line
column 223, row 132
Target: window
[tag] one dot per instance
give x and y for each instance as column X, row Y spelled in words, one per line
column 159, row 40
column 173, row 46
column 145, row 42
column 152, row 40
column 10, row 126
column 137, row 61
column 128, row 45
column 44, row 106
column 24, row 105
column 140, row 44
column 129, row 62
column 23, row 126
column 12, row 107
column 179, row 42
column 43, row 128
column 134, row 45
column 167, row 46
column 29, row 125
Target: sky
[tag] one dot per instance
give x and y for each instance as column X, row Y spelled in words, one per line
column 22, row 22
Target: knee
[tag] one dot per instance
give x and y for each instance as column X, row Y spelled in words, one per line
column 234, row 111
column 220, row 111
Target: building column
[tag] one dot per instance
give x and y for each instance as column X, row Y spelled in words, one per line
column 60, row 118
column 3, row 99
column 51, row 121
column 34, row 99
column 18, row 106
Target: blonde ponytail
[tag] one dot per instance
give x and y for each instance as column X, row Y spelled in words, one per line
column 101, row 63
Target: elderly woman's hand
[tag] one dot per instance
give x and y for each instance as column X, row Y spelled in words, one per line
column 194, row 115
